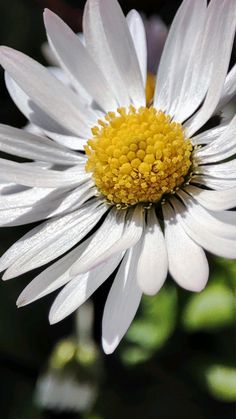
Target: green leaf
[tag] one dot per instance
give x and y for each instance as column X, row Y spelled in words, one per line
column 211, row 309
column 221, row 381
column 134, row 355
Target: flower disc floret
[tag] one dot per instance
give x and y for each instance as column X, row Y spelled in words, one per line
column 138, row 155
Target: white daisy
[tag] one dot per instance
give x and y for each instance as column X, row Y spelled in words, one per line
column 145, row 198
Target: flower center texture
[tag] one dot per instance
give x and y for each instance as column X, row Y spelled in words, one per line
column 138, row 155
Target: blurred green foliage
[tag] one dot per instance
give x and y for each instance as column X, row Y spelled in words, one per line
column 220, row 380
column 211, row 309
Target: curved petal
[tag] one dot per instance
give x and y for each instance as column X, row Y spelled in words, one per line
column 52, row 278
column 50, row 240
column 37, row 176
column 49, row 94
column 225, row 170
column 80, row 289
column 208, row 136
column 52, row 204
column 152, row 264
column 226, row 228
column 120, row 235
column 137, row 30
column 229, row 89
column 42, row 122
column 99, row 48
column 201, row 235
column 122, row 301
column 24, row 144
column 222, row 148
column 222, row 24
column 75, row 59
column 122, row 48
column 213, row 200
column 179, row 49
column 187, row 261
column 214, row 183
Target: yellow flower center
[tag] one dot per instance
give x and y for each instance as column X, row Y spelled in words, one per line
column 138, row 155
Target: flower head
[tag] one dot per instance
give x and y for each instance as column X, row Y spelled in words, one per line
column 157, row 190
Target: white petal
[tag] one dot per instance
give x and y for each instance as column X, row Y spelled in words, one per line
column 187, row 261
column 225, row 170
column 229, row 89
column 41, row 121
column 214, row 183
column 50, row 240
column 69, row 141
column 122, row 49
column 80, row 289
column 46, row 91
column 37, row 176
column 201, row 235
column 208, row 136
column 122, row 302
column 105, row 237
column 222, row 148
column 178, row 52
column 198, row 73
column 222, row 24
column 49, row 54
column 52, row 278
column 11, row 199
column 138, row 34
column 224, row 229
column 52, row 204
column 60, row 75
column 75, row 59
column 84, row 97
column 114, row 236
column 23, row 144
column 99, row 48
column 152, row 265
column 226, row 217
column 14, row 198
column 214, row 200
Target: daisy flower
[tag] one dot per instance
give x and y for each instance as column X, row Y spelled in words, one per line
column 151, row 190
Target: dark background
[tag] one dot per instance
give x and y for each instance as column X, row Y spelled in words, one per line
column 164, row 367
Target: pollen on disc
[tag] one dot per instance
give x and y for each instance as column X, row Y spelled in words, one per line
column 138, row 155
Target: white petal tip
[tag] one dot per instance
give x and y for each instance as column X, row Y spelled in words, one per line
column 20, row 303
column 149, row 289
column 6, row 276
column 198, row 288
column 47, row 14
column 109, row 347
column 133, row 12
column 194, row 287
column 55, row 318
column 52, row 321
column 7, row 52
